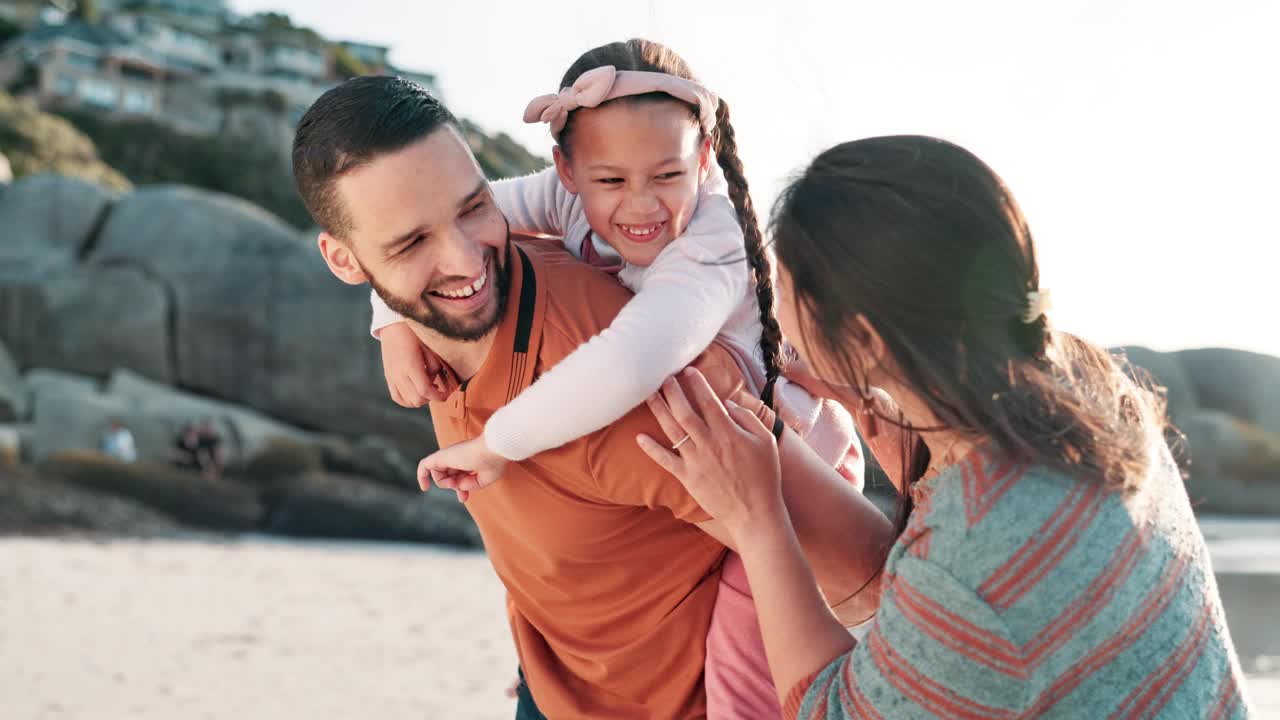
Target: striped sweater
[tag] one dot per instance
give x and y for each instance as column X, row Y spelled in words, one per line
column 1018, row 592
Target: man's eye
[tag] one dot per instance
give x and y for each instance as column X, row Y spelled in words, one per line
column 412, row 244
column 473, row 209
column 609, row 181
column 671, row 175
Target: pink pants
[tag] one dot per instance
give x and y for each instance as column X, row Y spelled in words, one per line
column 739, row 684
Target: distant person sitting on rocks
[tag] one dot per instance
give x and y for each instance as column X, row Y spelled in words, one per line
column 198, row 447
column 117, row 442
column 209, row 448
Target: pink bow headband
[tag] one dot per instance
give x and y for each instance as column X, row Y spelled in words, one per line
column 606, row 83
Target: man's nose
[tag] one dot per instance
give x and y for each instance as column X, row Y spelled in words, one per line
column 459, row 255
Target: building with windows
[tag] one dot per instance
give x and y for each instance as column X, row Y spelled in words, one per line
column 76, row 65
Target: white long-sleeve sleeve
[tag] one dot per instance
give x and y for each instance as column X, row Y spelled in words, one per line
column 535, row 204
column 683, row 300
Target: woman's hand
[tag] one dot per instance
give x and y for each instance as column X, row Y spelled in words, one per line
column 725, row 457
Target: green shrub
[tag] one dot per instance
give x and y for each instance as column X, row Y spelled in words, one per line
column 37, row 142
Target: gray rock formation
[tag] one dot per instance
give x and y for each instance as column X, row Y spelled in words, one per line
column 187, row 497
column 31, row 504
column 193, row 289
column 13, row 394
column 1235, row 466
column 48, row 217
column 1242, row 384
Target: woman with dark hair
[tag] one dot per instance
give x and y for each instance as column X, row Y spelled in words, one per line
column 1048, row 562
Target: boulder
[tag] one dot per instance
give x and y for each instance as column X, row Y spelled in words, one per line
column 257, row 317
column 50, row 218
column 1167, row 372
column 1235, row 466
column 245, row 432
column 370, row 457
column 87, row 319
column 6, row 170
column 188, row 497
column 330, row 505
column 71, row 412
column 33, row 504
column 13, row 394
column 1242, row 384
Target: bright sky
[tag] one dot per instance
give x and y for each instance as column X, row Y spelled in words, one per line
column 1142, row 138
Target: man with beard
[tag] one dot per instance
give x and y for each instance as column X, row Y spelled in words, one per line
column 610, row 566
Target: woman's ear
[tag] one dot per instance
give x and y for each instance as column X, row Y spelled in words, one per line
column 874, row 349
column 564, row 170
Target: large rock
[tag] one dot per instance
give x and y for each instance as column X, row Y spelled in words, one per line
column 70, row 412
column 50, row 218
column 185, row 496
column 328, row 505
column 13, row 395
column 87, row 319
column 1167, row 372
column 1235, row 466
column 245, row 432
column 1242, row 384
column 33, row 504
column 6, row 170
column 258, row 319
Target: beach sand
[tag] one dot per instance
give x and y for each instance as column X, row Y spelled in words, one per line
column 278, row 630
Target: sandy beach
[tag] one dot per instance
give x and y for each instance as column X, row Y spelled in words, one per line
column 275, row 630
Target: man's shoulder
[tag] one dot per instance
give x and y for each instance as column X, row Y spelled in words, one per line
column 581, row 300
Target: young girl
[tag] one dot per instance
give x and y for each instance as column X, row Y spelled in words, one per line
column 635, row 187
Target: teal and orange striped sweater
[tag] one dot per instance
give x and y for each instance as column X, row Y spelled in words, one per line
column 1017, row 592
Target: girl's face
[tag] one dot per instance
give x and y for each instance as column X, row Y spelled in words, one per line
column 637, row 168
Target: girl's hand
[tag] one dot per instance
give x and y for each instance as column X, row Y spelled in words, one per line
column 463, row 468
column 415, row 375
column 725, row 457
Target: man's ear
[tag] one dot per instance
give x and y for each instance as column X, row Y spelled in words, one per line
column 563, row 170
column 341, row 260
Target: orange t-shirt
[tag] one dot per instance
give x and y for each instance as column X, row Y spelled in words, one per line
column 610, row 585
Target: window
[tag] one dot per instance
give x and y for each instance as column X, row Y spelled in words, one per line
column 140, row 102
column 135, row 73
column 84, row 62
column 97, row 92
column 64, row 86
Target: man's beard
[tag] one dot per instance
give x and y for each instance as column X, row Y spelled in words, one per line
column 425, row 311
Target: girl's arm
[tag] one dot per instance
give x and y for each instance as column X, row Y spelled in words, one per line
column 681, row 306
column 536, row 204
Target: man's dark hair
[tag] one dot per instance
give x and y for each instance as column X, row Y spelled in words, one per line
column 350, row 125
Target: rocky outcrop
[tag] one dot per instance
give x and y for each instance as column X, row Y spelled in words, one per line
column 13, row 394
column 198, row 290
column 30, row 503
column 187, row 497
column 328, row 505
column 1227, row 403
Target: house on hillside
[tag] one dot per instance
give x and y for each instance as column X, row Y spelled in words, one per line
column 22, row 13
column 77, row 65
column 190, row 64
column 374, row 58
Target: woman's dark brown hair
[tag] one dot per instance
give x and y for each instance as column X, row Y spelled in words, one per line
column 922, row 239
column 647, row 56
